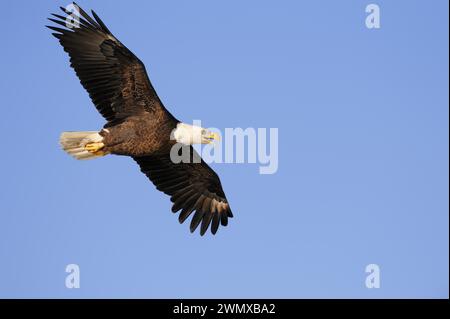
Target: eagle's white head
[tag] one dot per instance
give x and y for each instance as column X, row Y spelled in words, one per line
column 191, row 134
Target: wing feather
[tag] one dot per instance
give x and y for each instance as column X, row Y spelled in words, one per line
column 193, row 187
column 114, row 77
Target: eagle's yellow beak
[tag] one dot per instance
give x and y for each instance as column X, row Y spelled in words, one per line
column 213, row 137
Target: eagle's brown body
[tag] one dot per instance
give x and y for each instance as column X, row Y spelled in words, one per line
column 138, row 137
column 138, row 125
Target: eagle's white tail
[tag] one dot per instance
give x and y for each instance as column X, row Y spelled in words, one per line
column 74, row 143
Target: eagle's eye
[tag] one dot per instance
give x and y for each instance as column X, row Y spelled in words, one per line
column 203, row 132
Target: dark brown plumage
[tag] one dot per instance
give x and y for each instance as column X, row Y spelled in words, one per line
column 138, row 124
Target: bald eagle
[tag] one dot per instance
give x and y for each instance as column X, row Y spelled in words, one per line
column 137, row 123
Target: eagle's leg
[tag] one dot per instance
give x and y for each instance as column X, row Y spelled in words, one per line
column 94, row 147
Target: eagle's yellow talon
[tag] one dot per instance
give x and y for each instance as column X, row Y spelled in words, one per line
column 94, row 147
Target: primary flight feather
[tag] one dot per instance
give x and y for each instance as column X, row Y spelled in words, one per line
column 137, row 123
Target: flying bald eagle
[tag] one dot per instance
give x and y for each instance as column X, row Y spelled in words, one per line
column 137, row 123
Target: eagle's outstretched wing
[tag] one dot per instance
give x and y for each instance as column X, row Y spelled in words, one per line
column 192, row 187
column 114, row 77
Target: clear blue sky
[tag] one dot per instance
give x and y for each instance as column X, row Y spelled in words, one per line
column 363, row 153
